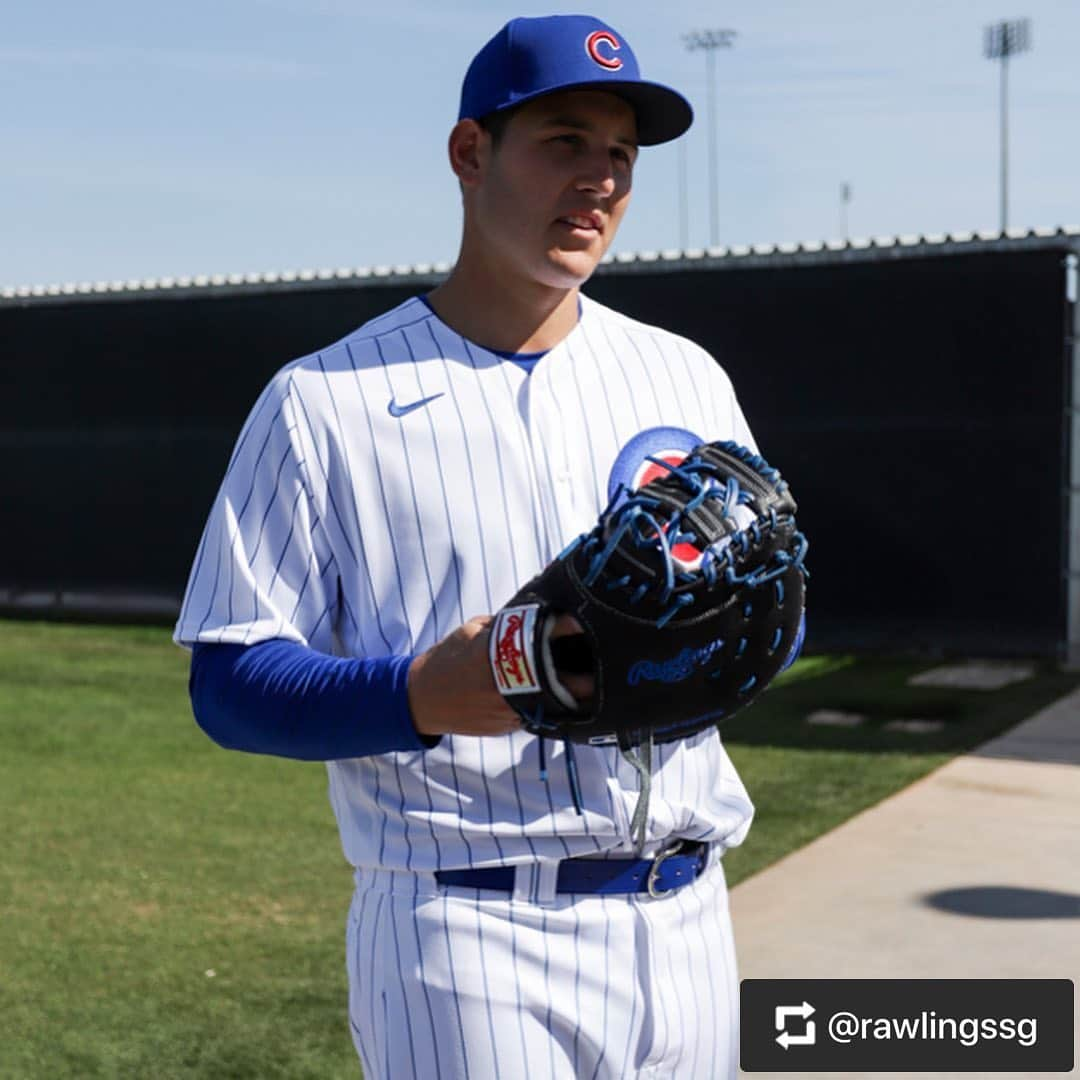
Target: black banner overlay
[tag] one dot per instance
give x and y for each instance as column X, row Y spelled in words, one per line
column 911, row 1025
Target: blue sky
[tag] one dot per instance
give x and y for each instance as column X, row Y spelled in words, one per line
column 218, row 136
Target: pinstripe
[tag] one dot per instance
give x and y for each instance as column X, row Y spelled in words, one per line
column 258, row 461
column 560, row 528
column 343, row 531
column 598, row 487
column 368, row 763
column 312, row 558
column 517, row 982
column 707, row 954
column 672, row 382
column 631, row 1028
column 539, row 522
column 396, row 324
column 325, row 476
column 629, row 396
column 487, row 988
column 281, row 556
column 376, row 461
column 347, row 608
column 403, row 818
column 498, row 454
column 453, row 983
column 711, row 384
column 577, row 988
column 476, row 503
column 424, row 984
column 547, row 986
column 268, row 508
column 386, row 1034
column 403, row 985
column 239, row 517
column 354, row 937
column 356, row 517
column 660, row 998
column 221, row 537
column 691, row 381
column 719, row 947
column 416, row 505
column 615, row 441
column 603, row 900
column 372, row 984
column 436, row 842
column 644, row 365
column 683, row 1011
column 441, row 475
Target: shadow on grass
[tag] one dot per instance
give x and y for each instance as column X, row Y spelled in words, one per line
column 878, row 690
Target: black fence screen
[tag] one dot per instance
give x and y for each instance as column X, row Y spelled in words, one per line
column 916, row 405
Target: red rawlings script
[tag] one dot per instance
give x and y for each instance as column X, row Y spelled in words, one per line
column 510, row 655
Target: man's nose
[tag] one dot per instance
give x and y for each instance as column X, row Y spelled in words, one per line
column 597, row 174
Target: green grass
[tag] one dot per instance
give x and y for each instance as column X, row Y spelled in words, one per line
column 138, row 857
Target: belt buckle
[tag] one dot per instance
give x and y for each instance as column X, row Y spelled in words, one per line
column 654, row 871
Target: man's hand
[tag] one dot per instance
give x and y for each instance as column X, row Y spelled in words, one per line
column 452, row 691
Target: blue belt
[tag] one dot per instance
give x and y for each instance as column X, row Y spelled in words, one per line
column 667, row 871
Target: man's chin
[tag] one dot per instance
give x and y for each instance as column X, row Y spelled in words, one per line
column 571, row 268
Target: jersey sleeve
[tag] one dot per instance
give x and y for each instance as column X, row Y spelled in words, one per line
column 262, row 569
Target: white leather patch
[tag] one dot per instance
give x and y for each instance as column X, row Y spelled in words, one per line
column 510, row 650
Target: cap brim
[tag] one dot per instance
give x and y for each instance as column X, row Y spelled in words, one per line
column 663, row 114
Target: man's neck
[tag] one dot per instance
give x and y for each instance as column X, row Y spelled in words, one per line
column 524, row 318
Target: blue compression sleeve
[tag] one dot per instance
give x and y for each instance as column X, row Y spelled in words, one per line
column 279, row 697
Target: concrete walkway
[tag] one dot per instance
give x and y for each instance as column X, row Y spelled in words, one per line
column 972, row 872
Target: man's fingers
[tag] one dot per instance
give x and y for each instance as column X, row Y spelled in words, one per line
column 565, row 626
column 581, row 686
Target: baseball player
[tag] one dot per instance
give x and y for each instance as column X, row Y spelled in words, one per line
column 391, row 491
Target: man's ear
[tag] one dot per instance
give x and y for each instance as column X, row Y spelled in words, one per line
column 469, row 149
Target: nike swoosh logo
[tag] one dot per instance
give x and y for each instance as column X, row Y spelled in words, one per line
column 403, row 410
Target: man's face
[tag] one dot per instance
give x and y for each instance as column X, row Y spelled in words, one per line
column 551, row 196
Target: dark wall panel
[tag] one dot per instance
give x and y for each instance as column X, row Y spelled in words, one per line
column 914, row 404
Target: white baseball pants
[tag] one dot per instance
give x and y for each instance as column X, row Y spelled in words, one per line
column 449, row 983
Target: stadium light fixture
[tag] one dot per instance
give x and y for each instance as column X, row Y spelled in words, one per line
column 1000, row 41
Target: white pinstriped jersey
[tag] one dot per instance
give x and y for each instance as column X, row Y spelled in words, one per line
column 358, row 532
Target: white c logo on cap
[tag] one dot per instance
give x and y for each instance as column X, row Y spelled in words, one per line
column 592, row 43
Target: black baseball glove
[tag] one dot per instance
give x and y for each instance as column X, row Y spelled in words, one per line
column 690, row 594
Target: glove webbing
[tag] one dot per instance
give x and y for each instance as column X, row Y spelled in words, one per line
column 636, row 517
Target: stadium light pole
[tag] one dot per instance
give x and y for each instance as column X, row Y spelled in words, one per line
column 1000, row 41
column 845, row 198
column 710, row 41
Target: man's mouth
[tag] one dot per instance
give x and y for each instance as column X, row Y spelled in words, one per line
column 581, row 221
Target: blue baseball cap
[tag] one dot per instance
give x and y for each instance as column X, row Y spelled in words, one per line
column 528, row 58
